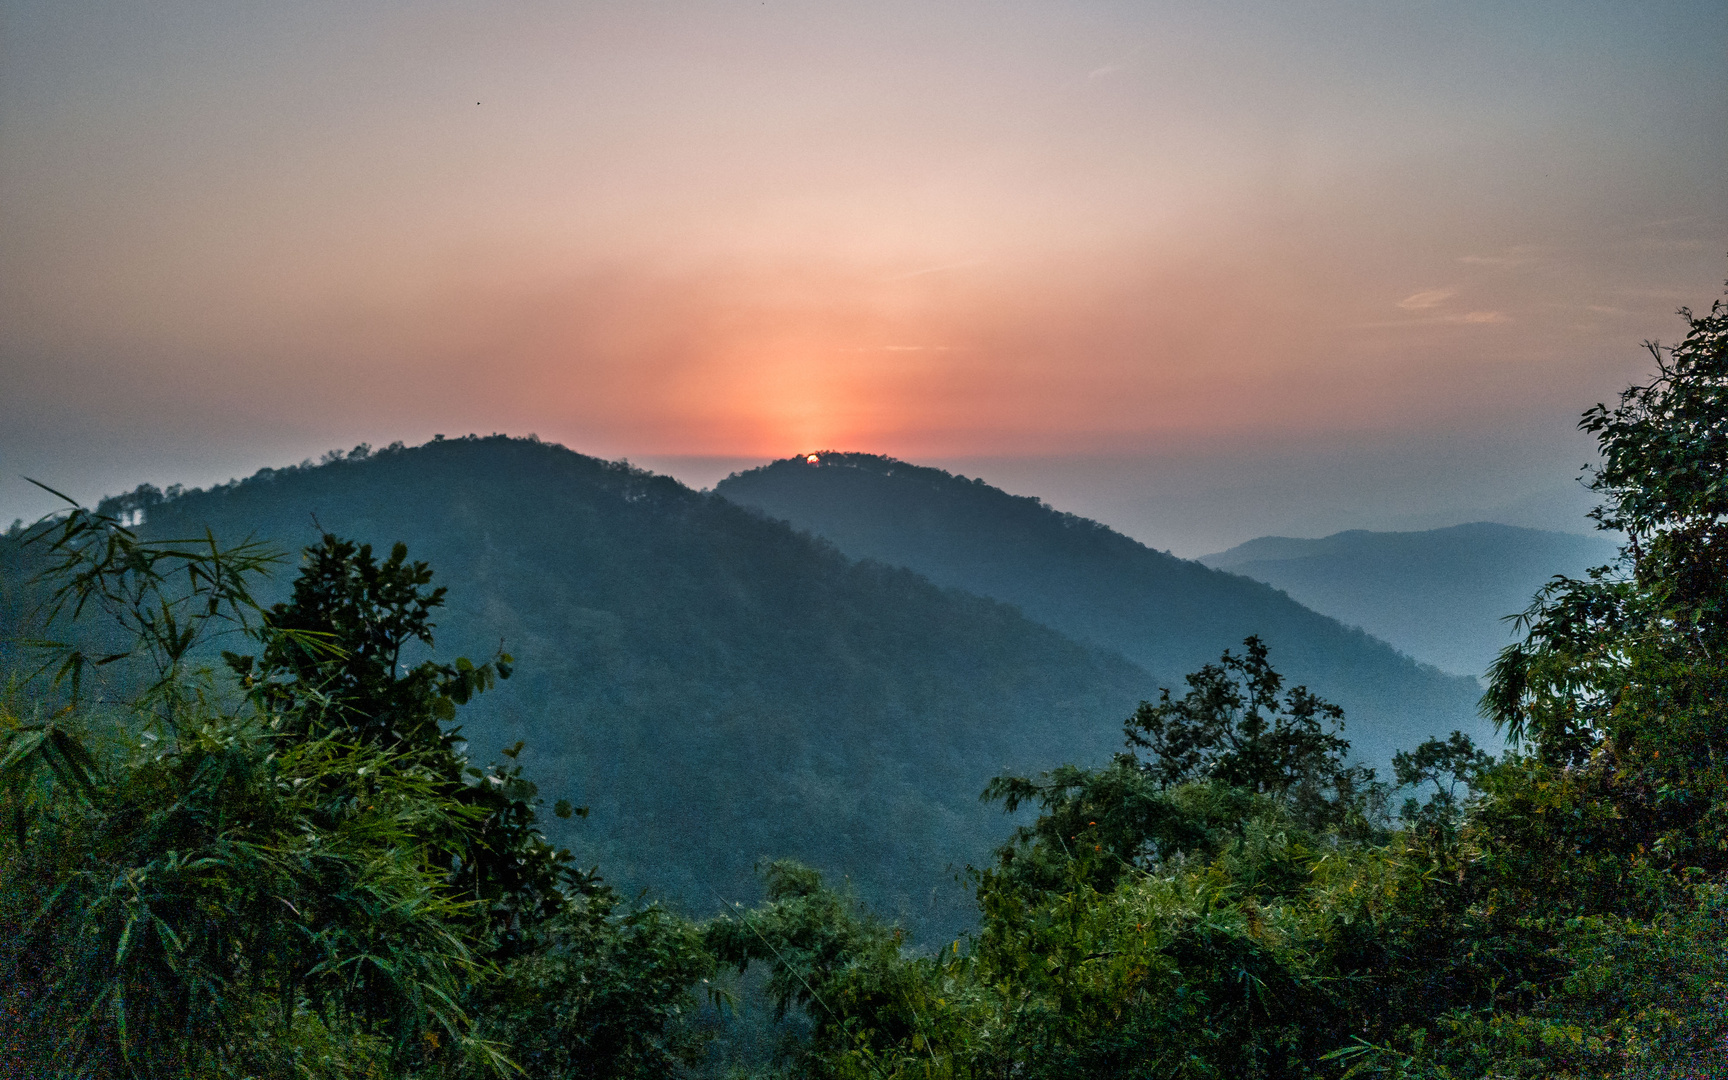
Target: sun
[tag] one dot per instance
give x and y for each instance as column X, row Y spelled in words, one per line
column 812, row 459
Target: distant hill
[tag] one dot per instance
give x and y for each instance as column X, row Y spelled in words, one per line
column 1438, row 595
column 716, row 686
column 1167, row 614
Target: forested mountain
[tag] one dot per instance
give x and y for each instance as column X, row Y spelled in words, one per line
column 1098, row 586
column 1439, row 595
column 714, row 685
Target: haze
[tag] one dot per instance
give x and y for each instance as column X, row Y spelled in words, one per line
column 1202, row 271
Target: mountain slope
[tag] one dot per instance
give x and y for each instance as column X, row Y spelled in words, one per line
column 1167, row 614
column 717, row 687
column 1439, row 595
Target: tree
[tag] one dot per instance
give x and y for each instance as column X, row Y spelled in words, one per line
column 332, row 655
column 1449, row 765
column 1622, row 676
column 1225, row 755
column 309, row 879
column 1232, row 727
column 215, row 894
column 1589, row 903
column 331, row 665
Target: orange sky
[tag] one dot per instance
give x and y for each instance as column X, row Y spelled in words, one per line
column 1212, row 238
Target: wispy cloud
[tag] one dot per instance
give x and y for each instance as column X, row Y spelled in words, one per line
column 937, row 269
column 1468, row 318
column 1523, row 255
column 1653, row 243
column 1667, row 296
column 1427, row 298
column 1113, row 66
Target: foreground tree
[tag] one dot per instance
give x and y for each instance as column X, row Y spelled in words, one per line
column 1621, row 677
column 1593, row 865
column 309, row 879
column 210, row 895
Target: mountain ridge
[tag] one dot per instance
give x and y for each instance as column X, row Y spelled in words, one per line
column 1167, row 614
column 1442, row 595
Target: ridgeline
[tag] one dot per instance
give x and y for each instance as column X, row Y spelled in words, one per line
column 1168, row 615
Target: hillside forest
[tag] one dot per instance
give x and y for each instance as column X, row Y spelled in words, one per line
column 253, row 825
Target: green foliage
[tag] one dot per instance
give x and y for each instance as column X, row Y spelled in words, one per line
column 175, row 909
column 1639, row 999
column 1122, row 814
column 362, row 688
column 1230, row 965
column 601, row 991
column 1228, row 754
column 165, row 597
column 1231, row 727
column 1620, row 678
column 1453, row 766
column 1592, row 867
column 865, row 997
column 300, row 875
column 1574, row 680
column 1139, row 927
column 332, row 666
column 207, row 879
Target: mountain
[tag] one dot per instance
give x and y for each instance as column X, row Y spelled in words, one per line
column 717, row 687
column 1440, row 595
column 1167, row 614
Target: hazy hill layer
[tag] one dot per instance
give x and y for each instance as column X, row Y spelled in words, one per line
column 716, row 686
column 1439, row 595
column 1170, row 615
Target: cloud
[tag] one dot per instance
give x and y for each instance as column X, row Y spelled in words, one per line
column 1669, row 223
column 1512, row 257
column 938, row 269
column 1426, row 299
column 1653, row 243
column 1112, row 67
column 1468, row 318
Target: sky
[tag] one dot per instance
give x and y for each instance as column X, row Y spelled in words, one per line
column 1203, row 271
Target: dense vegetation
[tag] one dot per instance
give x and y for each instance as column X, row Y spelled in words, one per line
column 290, row 868
column 1168, row 615
column 295, row 871
column 1439, row 595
